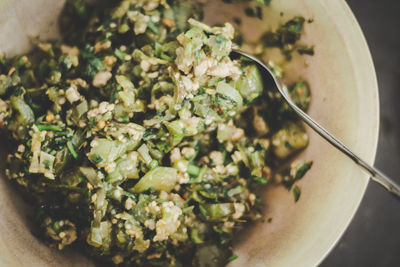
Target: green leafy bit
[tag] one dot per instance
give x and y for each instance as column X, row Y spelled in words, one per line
column 305, row 50
column 232, row 258
column 296, row 193
column 72, row 150
column 286, row 37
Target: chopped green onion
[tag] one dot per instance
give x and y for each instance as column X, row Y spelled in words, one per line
column 120, row 55
column 144, row 153
column 72, row 149
column 194, row 235
column 152, row 26
column 261, row 180
column 166, row 57
column 153, row 164
column 203, row 211
column 42, row 127
column 232, row 258
column 193, row 170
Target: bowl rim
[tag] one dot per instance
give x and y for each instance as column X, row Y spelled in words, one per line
column 355, row 29
column 370, row 68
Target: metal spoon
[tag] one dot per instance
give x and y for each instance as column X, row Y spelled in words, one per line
column 376, row 175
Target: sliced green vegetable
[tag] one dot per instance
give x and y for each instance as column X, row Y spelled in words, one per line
column 91, row 175
column 55, row 128
column 230, row 92
column 100, row 236
column 79, row 111
column 194, row 235
column 300, row 94
column 217, row 212
column 72, row 150
column 176, row 129
column 104, row 150
column 144, row 153
column 290, row 139
column 25, row 114
column 160, row 178
column 251, row 85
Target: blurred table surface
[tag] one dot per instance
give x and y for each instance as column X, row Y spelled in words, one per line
column 373, row 237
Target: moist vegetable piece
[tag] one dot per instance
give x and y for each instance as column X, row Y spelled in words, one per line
column 138, row 139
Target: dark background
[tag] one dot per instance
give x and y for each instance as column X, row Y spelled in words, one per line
column 373, row 238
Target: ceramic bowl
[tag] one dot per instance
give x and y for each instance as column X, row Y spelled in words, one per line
column 345, row 101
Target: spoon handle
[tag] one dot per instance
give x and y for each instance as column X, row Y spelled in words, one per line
column 376, row 174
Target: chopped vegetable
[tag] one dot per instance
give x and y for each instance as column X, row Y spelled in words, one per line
column 296, row 193
column 286, row 37
column 160, row 179
column 300, row 93
column 288, row 140
column 72, row 150
column 251, row 85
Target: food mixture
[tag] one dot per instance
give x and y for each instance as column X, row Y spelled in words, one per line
column 138, row 139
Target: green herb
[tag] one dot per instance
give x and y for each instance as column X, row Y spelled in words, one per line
column 286, row 36
column 93, row 63
column 153, row 164
column 125, row 118
column 296, row 193
column 96, row 159
column 47, row 164
column 72, row 150
column 303, row 170
column 120, row 55
column 42, row 127
column 193, row 170
column 152, row 26
column 232, row 258
column 306, row 50
column 149, row 134
column 166, row 57
column 194, row 235
column 261, row 180
column 203, row 211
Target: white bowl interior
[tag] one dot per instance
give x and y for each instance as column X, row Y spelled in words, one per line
column 345, row 101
